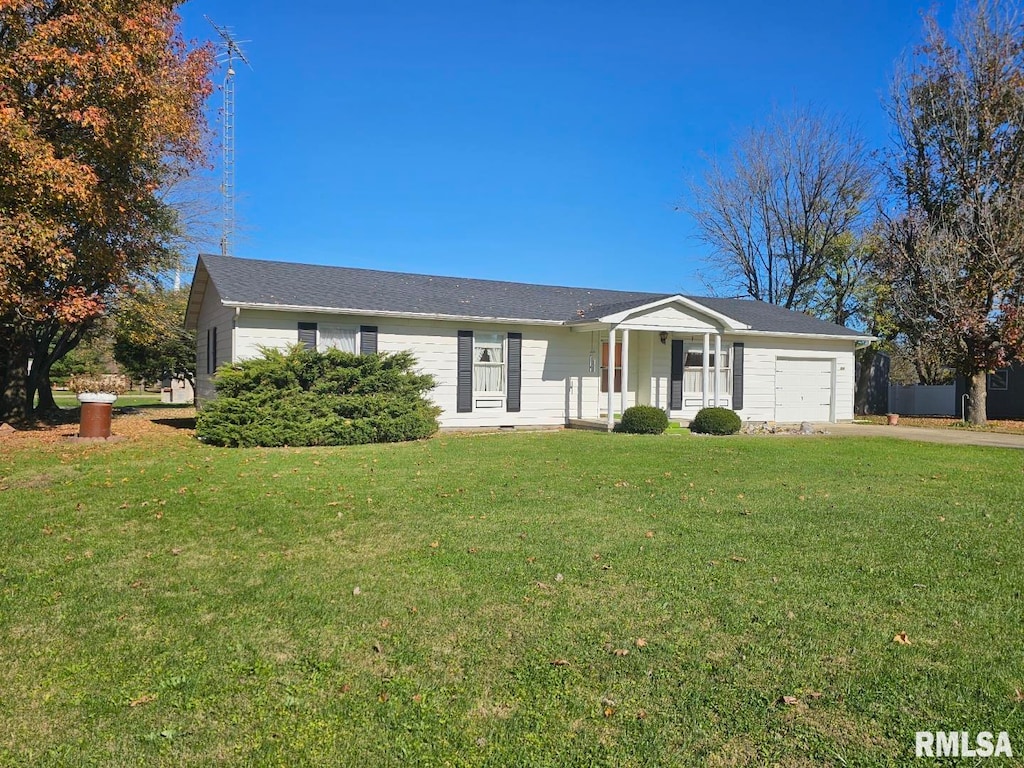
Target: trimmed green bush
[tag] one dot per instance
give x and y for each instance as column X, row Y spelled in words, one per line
column 643, row 420
column 716, row 421
column 302, row 397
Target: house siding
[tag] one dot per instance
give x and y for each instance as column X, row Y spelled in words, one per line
column 759, row 362
column 760, row 356
column 555, row 379
column 212, row 315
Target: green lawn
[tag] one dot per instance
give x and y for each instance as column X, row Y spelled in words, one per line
column 70, row 400
column 544, row 599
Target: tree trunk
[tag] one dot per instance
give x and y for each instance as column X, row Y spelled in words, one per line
column 45, row 391
column 977, row 410
column 861, row 406
column 14, row 405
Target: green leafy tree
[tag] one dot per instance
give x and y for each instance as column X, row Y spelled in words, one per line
column 101, row 108
column 150, row 339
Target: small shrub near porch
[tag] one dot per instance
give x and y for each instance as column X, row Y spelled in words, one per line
column 643, row 420
column 716, row 421
column 302, row 397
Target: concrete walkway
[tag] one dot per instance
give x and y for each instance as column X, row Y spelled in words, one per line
column 926, row 435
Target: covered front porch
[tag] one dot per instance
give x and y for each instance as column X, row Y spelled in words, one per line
column 668, row 355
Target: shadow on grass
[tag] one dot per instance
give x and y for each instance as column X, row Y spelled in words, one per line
column 185, row 423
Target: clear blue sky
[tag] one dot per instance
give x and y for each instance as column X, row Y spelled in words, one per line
column 543, row 141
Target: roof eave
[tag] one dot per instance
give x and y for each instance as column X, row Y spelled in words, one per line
column 196, row 294
column 799, row 335
column 389, row 313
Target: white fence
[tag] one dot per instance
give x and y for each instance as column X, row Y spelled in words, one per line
column 921, row 400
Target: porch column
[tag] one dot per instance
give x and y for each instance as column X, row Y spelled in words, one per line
column 625, row 369
column 705, row 382
column 718, row 368
column 610, row 373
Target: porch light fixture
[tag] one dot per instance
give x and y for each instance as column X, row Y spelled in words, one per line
column 663, row 336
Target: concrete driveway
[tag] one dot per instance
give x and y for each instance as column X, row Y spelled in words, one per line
column 926, row 435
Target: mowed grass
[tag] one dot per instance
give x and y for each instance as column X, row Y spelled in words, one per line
column 66, row 399
column 470, row 600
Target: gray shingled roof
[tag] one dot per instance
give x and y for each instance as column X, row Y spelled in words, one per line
column 250, row 281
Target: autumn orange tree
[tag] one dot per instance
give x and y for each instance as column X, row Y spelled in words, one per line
column 101, row 107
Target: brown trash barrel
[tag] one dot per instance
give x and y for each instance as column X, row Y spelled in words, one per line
column 95, row 420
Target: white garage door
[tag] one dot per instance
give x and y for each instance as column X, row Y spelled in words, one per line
column 803, row 389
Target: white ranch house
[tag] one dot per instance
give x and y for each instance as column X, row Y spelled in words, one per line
column 520, row 355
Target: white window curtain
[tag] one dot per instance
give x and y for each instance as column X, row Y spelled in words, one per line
column 488, row 362
column 336, row 337
column 693, row 372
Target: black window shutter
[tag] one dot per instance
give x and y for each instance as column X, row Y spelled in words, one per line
column 211, row 349
column 464, row 381
column 307, row 335
column 737, row 376
column 515, row 372
column 367, row 339
column 675, row 397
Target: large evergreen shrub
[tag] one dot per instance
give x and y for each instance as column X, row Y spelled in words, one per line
column 303, row 397
column 643, row 420
column 716, row 421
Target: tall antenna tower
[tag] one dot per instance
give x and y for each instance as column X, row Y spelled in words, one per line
column 229, row 51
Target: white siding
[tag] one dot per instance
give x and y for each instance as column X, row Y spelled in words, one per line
column 760, row 355
column 555, row 379
column 212, row 315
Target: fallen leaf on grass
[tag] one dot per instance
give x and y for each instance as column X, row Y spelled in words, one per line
column 143, row 699
column 609, row 711
column 901, row 639
column 789, row 701
column 357, row 591
column 641, row 642
column 621, row 651
column 641, row 714
column 1018, row 695
column 559, row 662
column 649, row 535
column 737, row 559
column 435, row 544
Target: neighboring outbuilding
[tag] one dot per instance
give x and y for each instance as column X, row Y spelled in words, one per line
column 515, row 354
column 1004, row 395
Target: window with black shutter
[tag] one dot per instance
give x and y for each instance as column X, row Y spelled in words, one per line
column 513, row 402
column 464, row 374
column 211, row 349
column 737, row 376
column 307, row 335
column 675, row 400
column 367, row 339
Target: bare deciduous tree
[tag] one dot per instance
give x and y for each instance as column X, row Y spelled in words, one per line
column 954, row 250
column 777, row 214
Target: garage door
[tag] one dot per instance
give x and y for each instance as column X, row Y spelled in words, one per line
column 803, row 389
